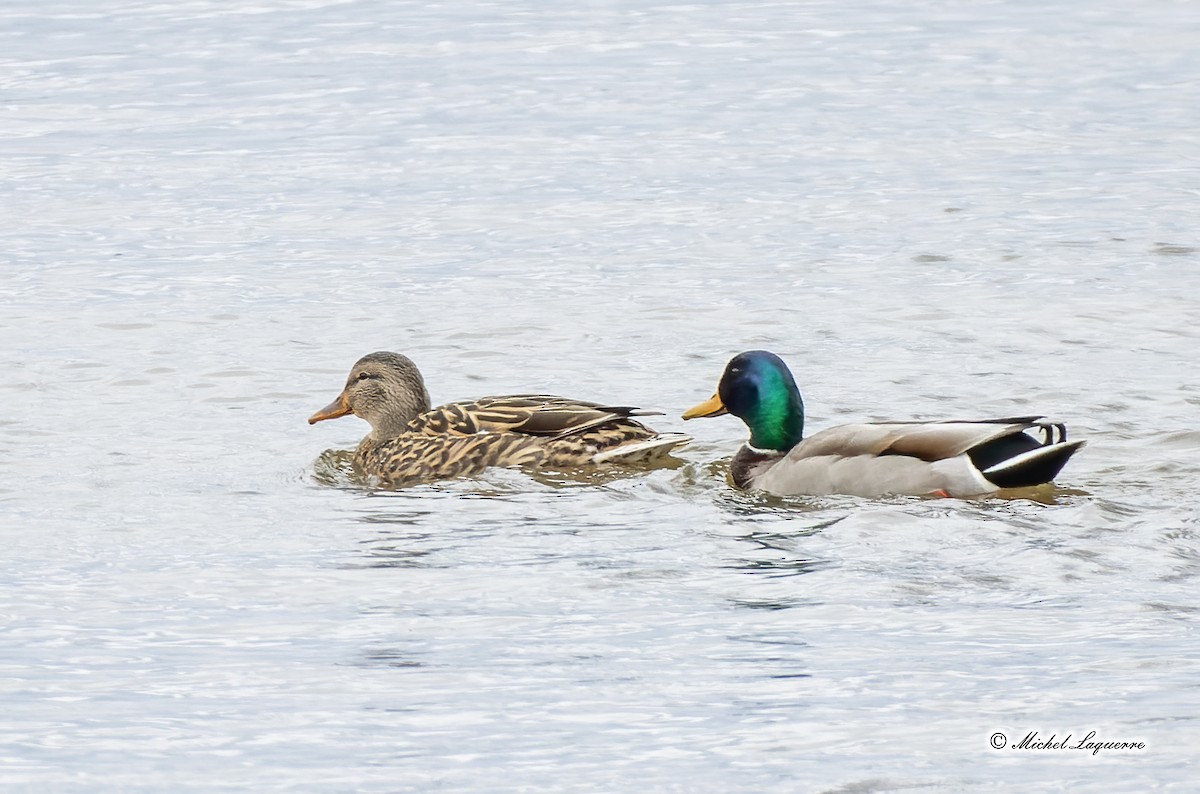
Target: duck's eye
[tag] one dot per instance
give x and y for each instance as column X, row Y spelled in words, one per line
column 365, row 376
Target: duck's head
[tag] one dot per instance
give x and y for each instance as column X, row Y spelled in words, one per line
column 758, row 388
column 385, row 389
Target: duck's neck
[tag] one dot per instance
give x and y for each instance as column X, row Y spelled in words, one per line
column 777, row 423
column 404, row 409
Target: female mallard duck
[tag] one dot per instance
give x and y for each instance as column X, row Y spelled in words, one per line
column 945, row 458
column 409, row 442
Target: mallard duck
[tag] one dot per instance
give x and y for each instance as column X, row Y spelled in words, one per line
column 409, row 442
column 943, row 458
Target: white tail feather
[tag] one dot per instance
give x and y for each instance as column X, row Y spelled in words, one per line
column 1020, row 460
column 650, row 449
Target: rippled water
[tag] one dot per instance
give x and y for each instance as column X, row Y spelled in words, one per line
column 211, row 209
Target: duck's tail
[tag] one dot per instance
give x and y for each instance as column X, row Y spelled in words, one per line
column 650, row 449
column 1032, row 466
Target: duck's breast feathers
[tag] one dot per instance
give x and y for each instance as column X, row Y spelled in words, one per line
column 871, row 476
column 540, row 415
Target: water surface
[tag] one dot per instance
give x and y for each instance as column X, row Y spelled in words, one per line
column 212, row 209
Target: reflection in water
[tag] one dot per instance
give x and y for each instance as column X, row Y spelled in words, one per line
column 779, row 567
column 772, row 604
column 602, row 475
column 775, row 553
column 778, row 638
column 1046, row 494
column 335, row 468
column 1169, row 249
column 396, row 549
column 382, row 555
column 410, row 518
column 387, row 657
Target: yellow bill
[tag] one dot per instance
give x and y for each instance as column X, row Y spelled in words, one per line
column 713, row 407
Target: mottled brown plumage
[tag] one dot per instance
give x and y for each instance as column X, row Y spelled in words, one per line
column 410, row 442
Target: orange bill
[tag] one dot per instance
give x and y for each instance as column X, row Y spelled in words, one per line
column 713, row 407
column 339, row 407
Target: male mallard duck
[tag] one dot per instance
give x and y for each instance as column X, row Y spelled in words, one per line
column 946, row 458
column 409, row 442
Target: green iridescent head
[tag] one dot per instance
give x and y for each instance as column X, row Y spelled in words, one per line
column 758, row 388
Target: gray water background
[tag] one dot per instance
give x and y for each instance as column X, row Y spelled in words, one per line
column 211, row 209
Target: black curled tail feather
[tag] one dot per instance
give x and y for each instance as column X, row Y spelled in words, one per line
column 1035, row 466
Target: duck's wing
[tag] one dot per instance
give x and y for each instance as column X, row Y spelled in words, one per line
column 541, row 415
column 927, row 441
column 960, row 458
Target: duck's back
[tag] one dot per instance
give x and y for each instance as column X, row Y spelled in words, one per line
column 464, row 438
